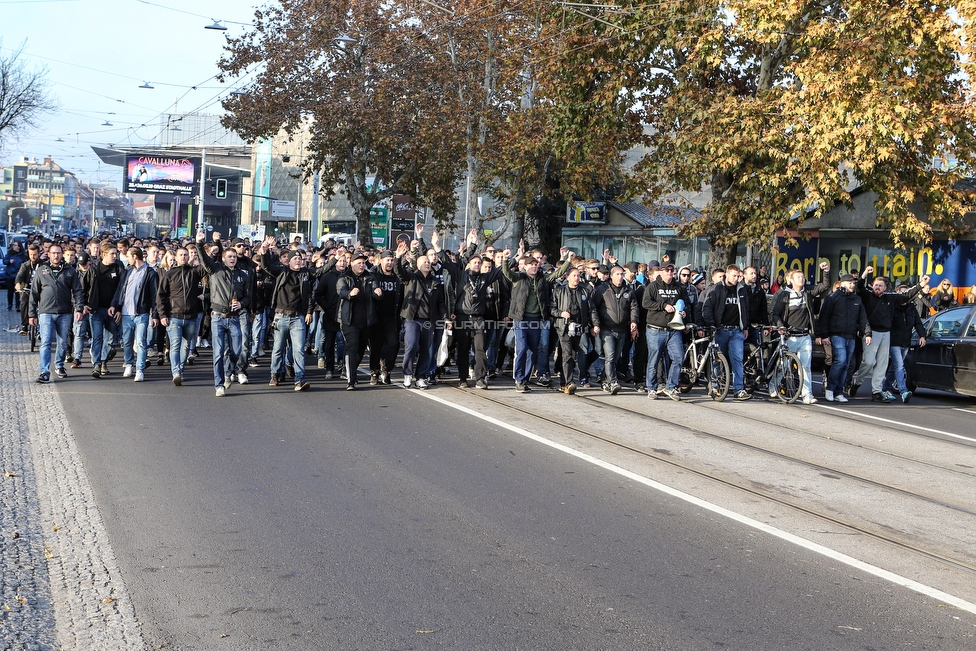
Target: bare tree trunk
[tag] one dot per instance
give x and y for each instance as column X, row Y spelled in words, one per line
column 719, row 255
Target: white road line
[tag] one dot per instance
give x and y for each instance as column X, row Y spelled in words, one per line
column 897, row 579
column 899, row 423
column 968, row 411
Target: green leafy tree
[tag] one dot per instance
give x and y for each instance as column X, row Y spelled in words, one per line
column 375, row 109
column 783, row 107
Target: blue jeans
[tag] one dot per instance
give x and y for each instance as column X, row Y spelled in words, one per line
column 803, row 347
column 542, row 355
column 843, row 352
column 658, row 341
column 613, row 347
column 896, row 369
column 226, row 334
column 289, row 328
column 528, row 336
column 101, row 323
column 134, row 329
column 50, row 326
column 79, row 329
column 731, row 341
column 181, row 332
column 245, row 319
column 259, row 330
column 417, row 336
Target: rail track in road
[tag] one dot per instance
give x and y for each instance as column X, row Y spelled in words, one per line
column 648, row 453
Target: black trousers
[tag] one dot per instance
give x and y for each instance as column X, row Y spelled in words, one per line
column 356, row 340
column 568, row 347
column 384, row 343
column 467, row 331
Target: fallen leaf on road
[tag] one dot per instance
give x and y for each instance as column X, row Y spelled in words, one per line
column 425, row 631
column 108, row 600
column 9, row 474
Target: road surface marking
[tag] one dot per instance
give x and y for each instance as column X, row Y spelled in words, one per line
column 897, row 579
column 897, row 422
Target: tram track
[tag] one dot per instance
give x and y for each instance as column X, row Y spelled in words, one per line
column 751, row 490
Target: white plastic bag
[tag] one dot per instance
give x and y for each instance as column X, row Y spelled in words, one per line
column 444, row 349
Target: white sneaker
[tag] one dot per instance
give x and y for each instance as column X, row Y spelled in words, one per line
column 229, row 380
column 221, row 392
column 127, row 371
column 242, row 378
column 809, row 400
column 773, row 394
column 407, row 381
column 421, row 383
column 204, row 344
column 140, row 376
column 829, row 395
column 842, row 398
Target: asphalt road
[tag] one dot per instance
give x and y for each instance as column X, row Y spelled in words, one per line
column 379, row 519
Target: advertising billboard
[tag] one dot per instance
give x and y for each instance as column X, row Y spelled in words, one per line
column 579, row 212
column 162, row 175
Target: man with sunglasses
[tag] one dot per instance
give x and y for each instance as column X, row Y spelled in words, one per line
column 54, row 292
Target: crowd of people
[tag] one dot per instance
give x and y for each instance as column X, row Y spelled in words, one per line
column 586, row 321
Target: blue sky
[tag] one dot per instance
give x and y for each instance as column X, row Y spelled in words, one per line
column 98, row 53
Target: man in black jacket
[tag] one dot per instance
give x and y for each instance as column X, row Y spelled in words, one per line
column 292, row 306
column 54, row 292
column 842, row 319
column 793, row 311
column 661, row 300
column 879, row 305
column 358, row 292
column 424, row 305
column 615, row 314
column 571, row 310
column 529, row 309
column 230, row 292
column 134, row 306
column 468, row 315
column 108, row 272
column 726, row 307
column 905, row 321
column 384, row 335
column 178, row 303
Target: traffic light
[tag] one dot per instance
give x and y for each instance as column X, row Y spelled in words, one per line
column 221, row 188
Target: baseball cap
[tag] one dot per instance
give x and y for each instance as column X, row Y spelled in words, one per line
column 846, row 278
column 359, row 256
column 387, row 254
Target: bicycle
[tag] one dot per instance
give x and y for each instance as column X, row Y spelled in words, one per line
column 773, row 359
column 703, row 361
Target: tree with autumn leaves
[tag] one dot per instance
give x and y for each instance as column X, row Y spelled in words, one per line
column 780, row 107
column 783, row 107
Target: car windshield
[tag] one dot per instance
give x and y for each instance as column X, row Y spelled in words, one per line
column 948, row 324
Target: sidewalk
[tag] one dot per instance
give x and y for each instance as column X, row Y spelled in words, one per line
column 61, row 586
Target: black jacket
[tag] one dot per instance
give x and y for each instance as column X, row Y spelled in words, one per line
column 179, row 293
column 576, row 302
column 842, row 315
column 470, row 289
column 881, row 309
column 657, row 295
column 50, row 294
column 366, row 284
column 415, row 285
column 146, row 300
column 758, row 310
column 521, row 282
column 225, row 284
column 614, row 308
column 906, row 320
column 714, row 305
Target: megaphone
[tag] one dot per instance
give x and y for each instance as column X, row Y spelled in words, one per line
column 677, row 323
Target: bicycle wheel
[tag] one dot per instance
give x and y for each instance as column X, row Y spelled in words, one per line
column 790, row 374
column 33, row 336
column 720, row 376
column 689, row 372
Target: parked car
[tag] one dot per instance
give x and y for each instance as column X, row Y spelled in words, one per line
column 948, row 359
